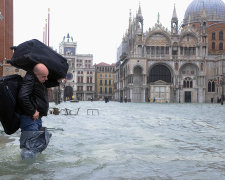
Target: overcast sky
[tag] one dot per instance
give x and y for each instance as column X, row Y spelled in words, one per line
column 96, row 25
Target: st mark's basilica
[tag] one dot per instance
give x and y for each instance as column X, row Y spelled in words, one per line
column 183, row 64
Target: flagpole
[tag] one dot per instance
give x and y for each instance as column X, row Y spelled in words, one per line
column 46, row 34
column 43, row 34
column 48, row 24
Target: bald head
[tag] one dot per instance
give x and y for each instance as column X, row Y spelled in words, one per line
column 41, row 72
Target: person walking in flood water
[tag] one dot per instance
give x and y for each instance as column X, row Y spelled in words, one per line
column 33, row 103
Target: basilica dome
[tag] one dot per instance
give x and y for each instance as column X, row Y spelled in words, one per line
column 214, row 10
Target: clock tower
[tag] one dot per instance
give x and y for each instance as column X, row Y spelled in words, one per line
column 68, row 47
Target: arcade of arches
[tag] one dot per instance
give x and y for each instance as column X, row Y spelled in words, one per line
column 160, row 82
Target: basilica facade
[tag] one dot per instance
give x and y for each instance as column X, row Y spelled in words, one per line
column 183, row 64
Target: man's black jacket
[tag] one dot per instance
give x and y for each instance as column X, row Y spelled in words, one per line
column 33, row 95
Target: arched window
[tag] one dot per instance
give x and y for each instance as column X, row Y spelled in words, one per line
column 202, row 66
column 184, row 84
column 211, row 86
column 221, row 46
column 160, row 72
column 157, row 50
column 176, row 66
column 213, row 36
column 221, row 35
column 213, row 45
column 187, row 83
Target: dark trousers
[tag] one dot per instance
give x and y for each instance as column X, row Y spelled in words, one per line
column 29, row 124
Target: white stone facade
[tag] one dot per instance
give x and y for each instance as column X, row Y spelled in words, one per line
column 81, row 74
column 168, row 66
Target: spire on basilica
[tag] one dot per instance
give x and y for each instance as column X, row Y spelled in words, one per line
column 174, row 22
column 203, row 11
column 189, row 20
column 139, row 14
column 158, row 16
column 139, row 9
column 130, row 18
column 139, row 21
column 174, row 13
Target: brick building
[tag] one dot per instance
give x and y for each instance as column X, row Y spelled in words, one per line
column 6, row 31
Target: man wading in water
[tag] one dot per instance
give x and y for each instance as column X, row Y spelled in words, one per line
column 33, row 103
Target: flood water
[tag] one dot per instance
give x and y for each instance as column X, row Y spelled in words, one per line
column 125, row 141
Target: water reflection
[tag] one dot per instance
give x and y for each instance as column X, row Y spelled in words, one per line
column 126, row 141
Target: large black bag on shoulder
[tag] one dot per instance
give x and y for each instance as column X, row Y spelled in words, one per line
column 28, row 54
column 9, row 88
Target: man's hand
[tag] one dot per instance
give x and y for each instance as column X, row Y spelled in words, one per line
column 36, row 115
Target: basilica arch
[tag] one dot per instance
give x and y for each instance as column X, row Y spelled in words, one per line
column 137, row 92
column 188, row 81
column 160, row 79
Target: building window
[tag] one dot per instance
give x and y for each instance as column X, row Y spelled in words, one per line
column 100, row 82
column 80, row 88
column 105, row 82
column 105, row 90
column 201, row 67
column 162, row 50
column 157, row 50
column 221, row 35
column 109, row 82
column 89, row 88
column 160, row 72
column 100, row 75
column 221, row 46
column 110, row 90
column 80, row 79
column 211, row 86
column 181, row 50
column 152, row 50
column 213, row 45
column 106, row 75
column 167, row 50
column 213, row 36
column 187, row 83
column 176, row 66
column 148, row 49
column 101, row 90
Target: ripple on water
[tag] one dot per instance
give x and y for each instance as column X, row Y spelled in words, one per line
column 126, row 141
